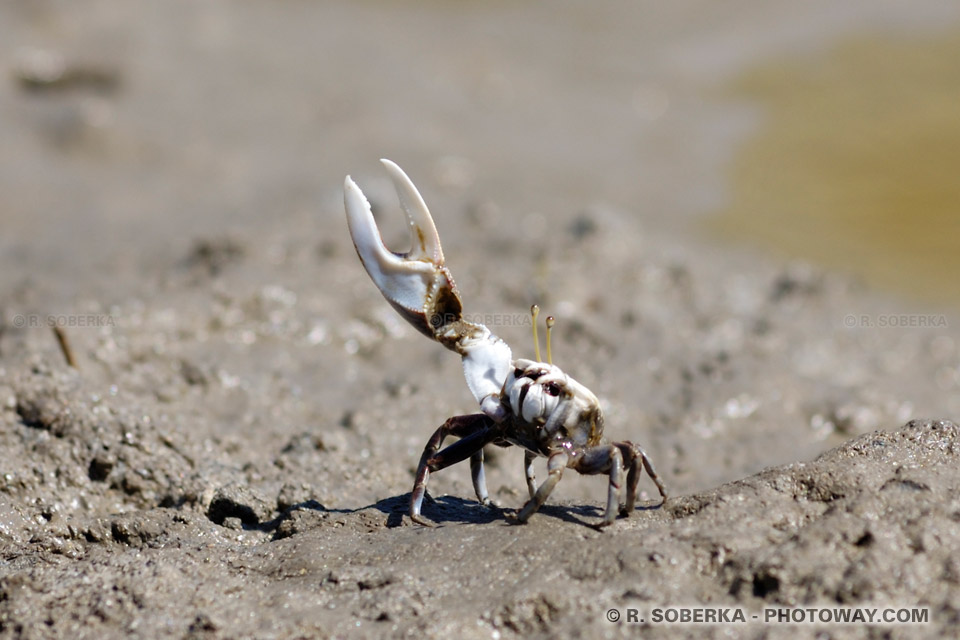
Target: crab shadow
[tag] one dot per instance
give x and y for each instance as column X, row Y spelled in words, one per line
column 444, row 510
column 441, row 510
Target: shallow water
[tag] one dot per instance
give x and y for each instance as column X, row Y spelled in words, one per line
column 856, row 164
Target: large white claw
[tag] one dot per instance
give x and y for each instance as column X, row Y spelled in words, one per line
column 416, row 283
column 420, row 287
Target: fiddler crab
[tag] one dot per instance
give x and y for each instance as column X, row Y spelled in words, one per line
column 527, row 403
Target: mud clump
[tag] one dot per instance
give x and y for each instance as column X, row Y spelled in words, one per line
column 236, row 501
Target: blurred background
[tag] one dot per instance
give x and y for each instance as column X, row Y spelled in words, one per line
column 827, row 131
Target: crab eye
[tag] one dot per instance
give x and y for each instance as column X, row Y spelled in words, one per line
column 551, row 389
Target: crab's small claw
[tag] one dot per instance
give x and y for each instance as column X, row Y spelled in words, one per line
column 416, row 283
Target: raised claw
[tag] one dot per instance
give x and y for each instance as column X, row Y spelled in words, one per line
column 416, row 283
column 421, row 289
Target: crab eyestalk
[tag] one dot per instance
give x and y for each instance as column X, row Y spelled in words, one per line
column 550, row 322
column 534, row 314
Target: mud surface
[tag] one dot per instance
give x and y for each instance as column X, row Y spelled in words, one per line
column 231, row 456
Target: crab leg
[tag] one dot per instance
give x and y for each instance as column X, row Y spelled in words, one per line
column 605, row 459
column 422, row 290
column 555, row 466
column 529, row 472
column 475, row 431
column 633, row 457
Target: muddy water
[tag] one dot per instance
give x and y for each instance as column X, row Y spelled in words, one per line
column 856, row 164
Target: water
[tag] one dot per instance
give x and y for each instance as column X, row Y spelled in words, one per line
column 856, row 165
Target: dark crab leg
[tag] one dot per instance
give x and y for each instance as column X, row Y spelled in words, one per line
column 633, row 457
column 529, row 472
column 607, row 459
column 555, row 466
column 475, row 431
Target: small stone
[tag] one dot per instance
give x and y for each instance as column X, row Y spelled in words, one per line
column 233, row 523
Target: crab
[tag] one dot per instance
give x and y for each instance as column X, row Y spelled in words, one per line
column 526, row 403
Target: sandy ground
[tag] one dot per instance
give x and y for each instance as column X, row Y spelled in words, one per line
column 232, row 454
